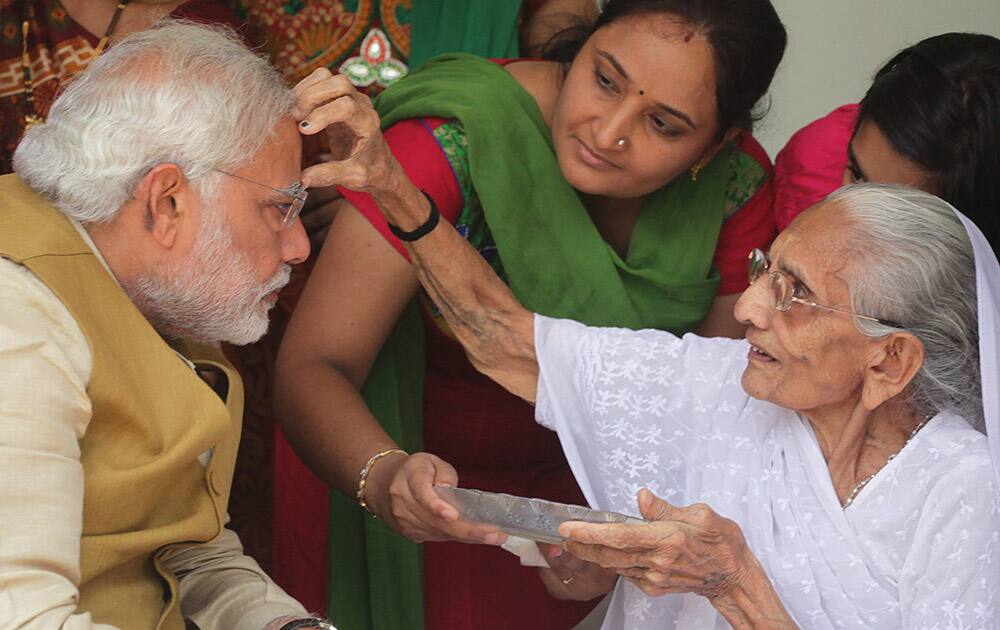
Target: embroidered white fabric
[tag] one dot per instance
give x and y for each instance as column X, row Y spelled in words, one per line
column 918, row 549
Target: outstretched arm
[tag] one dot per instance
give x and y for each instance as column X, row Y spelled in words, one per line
column 496, row 331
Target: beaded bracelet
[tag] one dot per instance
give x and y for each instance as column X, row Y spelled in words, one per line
column 363, row 477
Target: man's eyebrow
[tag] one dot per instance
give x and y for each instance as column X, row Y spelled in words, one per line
column 673, row 111
column 852, row 162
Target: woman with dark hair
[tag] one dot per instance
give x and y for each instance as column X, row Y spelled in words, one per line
column 616, row 183
column 931, row 119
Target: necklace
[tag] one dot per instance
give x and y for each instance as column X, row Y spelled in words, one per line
column 864, row 482
column 33, row 117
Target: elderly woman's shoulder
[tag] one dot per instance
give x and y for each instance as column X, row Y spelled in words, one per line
column 954, row 457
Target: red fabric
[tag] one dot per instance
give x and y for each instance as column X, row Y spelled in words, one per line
column 749, row 227
column 300, row 562
column 812, row 164
column 492, row 439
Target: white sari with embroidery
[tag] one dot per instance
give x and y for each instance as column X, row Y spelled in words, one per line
column 918, row 549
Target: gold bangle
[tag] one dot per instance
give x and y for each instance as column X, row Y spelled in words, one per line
column 363, row 477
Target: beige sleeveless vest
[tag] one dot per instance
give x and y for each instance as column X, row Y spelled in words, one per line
column 152, row 418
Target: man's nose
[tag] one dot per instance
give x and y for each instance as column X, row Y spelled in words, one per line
column 294, row 243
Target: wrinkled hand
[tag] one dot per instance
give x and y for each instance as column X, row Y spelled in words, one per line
column 569, row 577
column 359, row 157
column 684, row 550
column 401, row 491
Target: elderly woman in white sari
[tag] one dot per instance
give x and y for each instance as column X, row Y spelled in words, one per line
column 833, row 470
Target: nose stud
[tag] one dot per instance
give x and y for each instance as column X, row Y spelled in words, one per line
column 621, row 142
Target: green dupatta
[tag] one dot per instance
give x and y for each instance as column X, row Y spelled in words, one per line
column 556, row 263
column 481, row 27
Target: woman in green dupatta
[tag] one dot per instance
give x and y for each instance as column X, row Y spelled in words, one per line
column 598, row 189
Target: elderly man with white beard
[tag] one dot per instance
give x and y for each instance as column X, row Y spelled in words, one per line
column 154, row 214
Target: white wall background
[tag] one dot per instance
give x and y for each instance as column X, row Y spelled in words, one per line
column 836, row 46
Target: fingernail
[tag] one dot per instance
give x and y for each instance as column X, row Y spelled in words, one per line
column 304, row 124
column 492, row 539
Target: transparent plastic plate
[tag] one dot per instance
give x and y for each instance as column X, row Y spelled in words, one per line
column 534, row 519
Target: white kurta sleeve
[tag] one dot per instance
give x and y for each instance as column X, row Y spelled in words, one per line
column 951, row 577
column 45, row 366
column 631, row 407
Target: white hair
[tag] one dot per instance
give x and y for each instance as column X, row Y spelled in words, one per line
column 180, row 93
column 915, row 266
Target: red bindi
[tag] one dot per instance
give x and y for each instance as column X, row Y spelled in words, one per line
column 687, row 38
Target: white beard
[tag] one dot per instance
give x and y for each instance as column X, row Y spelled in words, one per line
column 213, row 295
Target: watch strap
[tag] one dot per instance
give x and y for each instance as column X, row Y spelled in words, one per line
column 308, row 622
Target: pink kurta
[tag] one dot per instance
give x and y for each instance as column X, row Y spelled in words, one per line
column 812, row 164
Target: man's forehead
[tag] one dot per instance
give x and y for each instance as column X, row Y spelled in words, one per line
column 286, row 152
column 279, row 160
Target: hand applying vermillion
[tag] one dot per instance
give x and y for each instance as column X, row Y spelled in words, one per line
column 684, row 550
column 359, row 157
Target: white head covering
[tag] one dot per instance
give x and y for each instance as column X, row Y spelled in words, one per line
column 988, row 297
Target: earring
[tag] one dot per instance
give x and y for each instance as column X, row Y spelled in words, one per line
column 621, row 142
column 695, row 170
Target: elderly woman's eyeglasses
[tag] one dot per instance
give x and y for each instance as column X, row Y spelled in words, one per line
column 783, row 289
column 297, row 192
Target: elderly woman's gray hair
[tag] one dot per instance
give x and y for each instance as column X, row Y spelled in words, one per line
column 179, row 93
column 914, row 265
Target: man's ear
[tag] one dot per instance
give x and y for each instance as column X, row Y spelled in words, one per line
column 891, row 366
column 160, row 193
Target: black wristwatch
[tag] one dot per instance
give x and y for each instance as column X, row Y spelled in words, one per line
column 308, row 622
